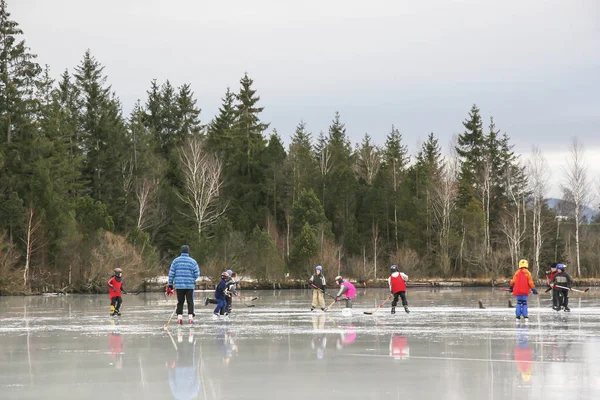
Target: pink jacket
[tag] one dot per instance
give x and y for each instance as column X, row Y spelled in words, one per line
column 350, row 290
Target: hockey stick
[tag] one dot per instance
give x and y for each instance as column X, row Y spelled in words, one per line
column 250, row 305
column 381, row 305
column 547, row 290
column 324, row 292
column 575, row 290
column 332, row 303
column 505, row 289
column 169, row 321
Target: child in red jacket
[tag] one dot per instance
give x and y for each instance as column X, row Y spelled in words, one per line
column 115, row 289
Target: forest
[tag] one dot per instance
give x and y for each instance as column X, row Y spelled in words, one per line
column 85, row 188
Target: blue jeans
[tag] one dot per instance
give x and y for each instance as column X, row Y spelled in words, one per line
column 521, row 308
column 221, row 306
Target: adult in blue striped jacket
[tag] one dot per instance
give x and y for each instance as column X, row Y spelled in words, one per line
column 183, row 274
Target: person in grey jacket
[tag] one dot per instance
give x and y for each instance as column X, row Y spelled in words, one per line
column 183, row 274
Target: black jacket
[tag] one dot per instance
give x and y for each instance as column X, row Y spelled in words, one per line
column 562, row 279
column 318, row 281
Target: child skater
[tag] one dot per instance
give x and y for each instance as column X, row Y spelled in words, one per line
column 520, row 285
column 346, row 288
column 230, row 291
column 115, row 289
column 220, row 296
column 397, row 283
column 561, row 294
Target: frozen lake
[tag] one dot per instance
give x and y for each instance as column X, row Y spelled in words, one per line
column 68, row 347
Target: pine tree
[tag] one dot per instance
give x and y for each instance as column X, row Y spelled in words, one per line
column 395, row 160
column 472, row 151
column 218, row 135
column 188, row 114
column 103, row 137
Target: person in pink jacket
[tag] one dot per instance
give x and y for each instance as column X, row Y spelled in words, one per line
column 346, row 289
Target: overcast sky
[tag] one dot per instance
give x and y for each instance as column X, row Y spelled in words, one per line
column 420, row 65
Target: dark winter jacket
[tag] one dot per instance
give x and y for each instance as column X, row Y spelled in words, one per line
column 219, row 291
column 318, row 281
column 562, row 279
column 230, row 286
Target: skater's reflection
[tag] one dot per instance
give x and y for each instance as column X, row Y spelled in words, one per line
column 115, row 345
column 319, row 339
column 347, row 337
column 522, row 354
column 399, row 349
column 183, row 369
column 226, row 344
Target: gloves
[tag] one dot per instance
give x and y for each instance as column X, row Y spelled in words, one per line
column 337, row 298
column 534, row 291
column 170, row 291
column 510, row 289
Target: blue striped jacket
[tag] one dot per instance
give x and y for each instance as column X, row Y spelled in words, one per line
column 184, row 272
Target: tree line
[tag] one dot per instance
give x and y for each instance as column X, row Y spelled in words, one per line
column 85, row 188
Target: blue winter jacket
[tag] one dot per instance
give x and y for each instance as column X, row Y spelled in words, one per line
column 184, row 272
column 220, row 289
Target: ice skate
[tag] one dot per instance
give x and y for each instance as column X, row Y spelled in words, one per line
column 191, row 319
column 518, row 320
column 112, row 311
column 312, row 309
column 567, row 309
column 526, row 320
column 179, row 319
column 206, row 300
column 393, row 310
column 215, row 316
column 406, row 309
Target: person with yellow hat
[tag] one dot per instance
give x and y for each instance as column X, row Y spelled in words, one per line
column 520, row 285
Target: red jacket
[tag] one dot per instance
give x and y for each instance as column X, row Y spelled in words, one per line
column 397, row 283
column 522, row 282
column 115, row 287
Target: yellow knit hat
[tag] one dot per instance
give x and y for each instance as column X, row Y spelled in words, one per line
column 523, row 264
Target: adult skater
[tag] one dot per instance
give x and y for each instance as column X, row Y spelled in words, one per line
column 115, row 289
column 183, row 274
column 562, row 293
column 520, row 285
column 346, row 289
column 397, row 283
column 319, row 285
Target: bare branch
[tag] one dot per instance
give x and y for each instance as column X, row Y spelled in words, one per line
column 202, row 172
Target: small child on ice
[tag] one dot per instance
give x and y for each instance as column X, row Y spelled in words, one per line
column 220, row 295
column 346, row 288
column 520, row 285
column 397, row 282
column 115, row 289
column 561, row 294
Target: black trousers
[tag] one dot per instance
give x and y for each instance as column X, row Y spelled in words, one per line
column 228, row 300
column 562, row 297
column 185, row 295
column 401, row 295
column 116, row 301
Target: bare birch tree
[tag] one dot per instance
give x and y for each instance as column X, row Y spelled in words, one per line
column 202, row 183
column 511, row 224
column 576, row 189
column 537, row 171
column 32, row 241
column 368, row 161
column 444, row 195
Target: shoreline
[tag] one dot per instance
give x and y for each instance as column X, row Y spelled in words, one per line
column 156, row 285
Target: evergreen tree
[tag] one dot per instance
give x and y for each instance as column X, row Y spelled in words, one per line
column 472, row 151
column 395, row 160
column 103, row 137
column 218, row 135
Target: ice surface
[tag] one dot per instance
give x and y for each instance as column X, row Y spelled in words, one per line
column 67, row 347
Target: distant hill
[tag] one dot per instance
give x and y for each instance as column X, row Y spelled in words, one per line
column 563, row 207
